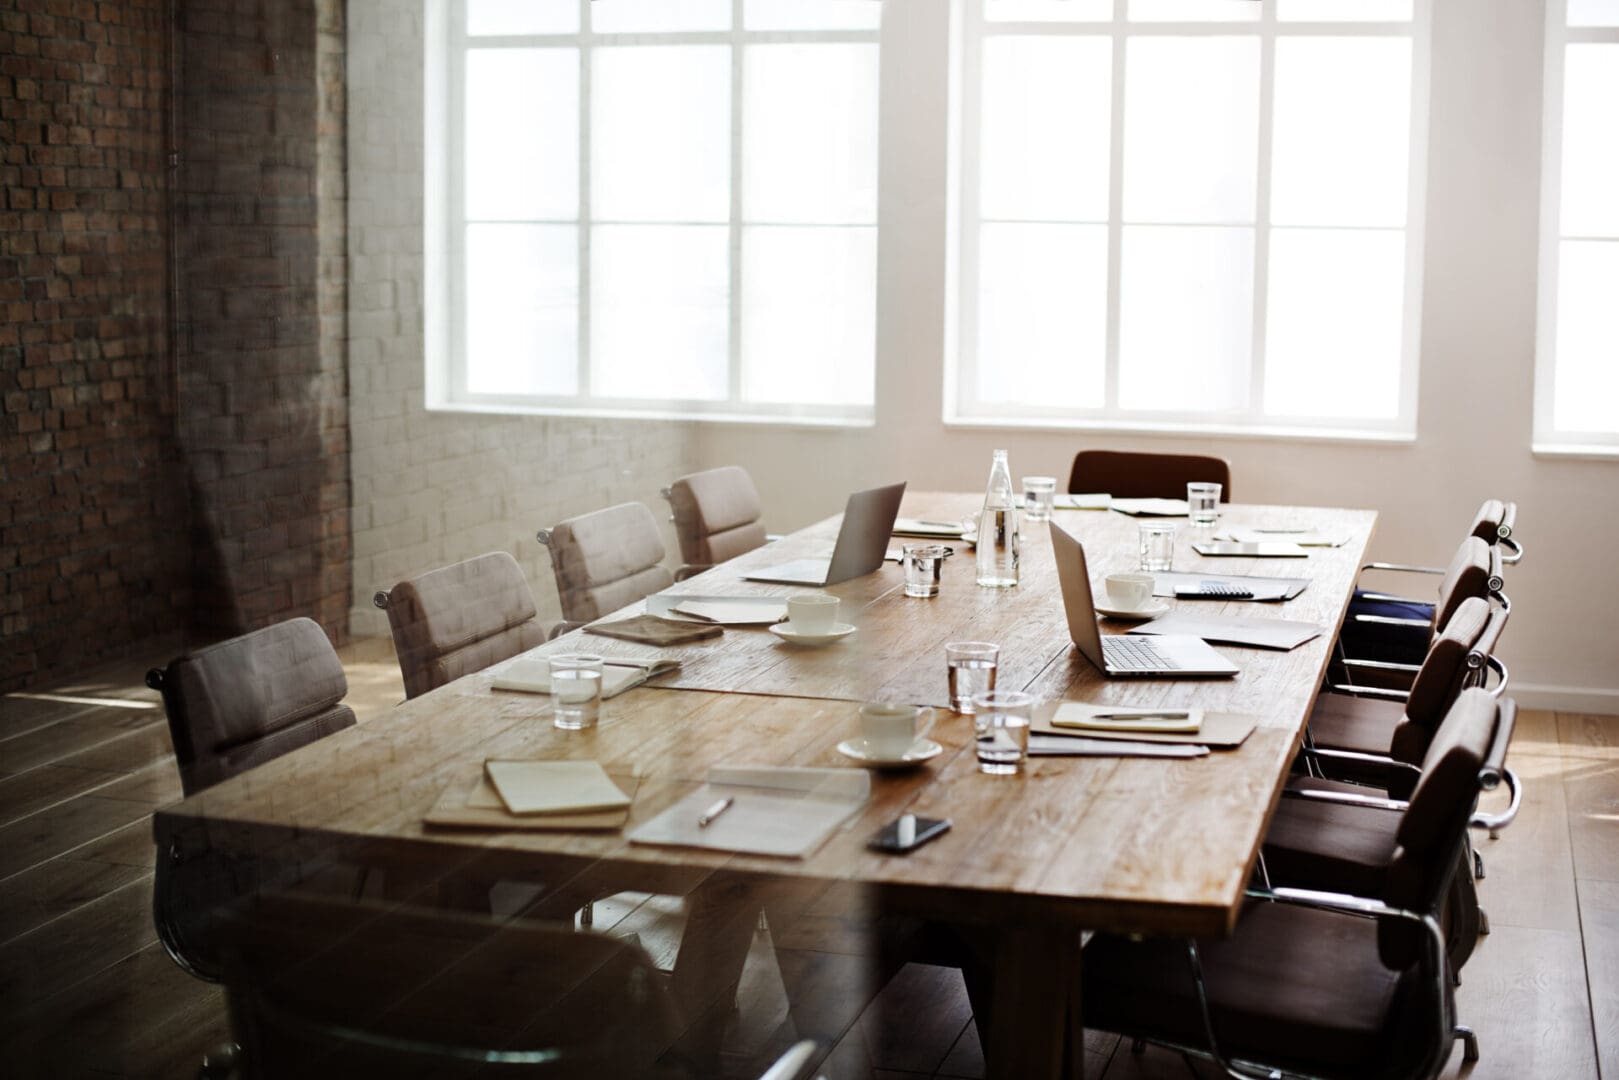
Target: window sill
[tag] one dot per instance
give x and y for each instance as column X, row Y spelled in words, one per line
column 1576, row 451
column 668, row 413
column 1176, row 429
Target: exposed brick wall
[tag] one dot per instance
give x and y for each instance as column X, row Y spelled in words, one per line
column 263, row 390
column 92, row 544
column 431, row 488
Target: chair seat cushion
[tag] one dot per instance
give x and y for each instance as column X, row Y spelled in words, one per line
column 1322, row 845
column 1362, row 725
column 1292, row 986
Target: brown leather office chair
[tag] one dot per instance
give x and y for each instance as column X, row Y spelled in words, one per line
column 1321, row 983
column 605, row 559
column 716, row 515
column 323, row 987
column 459, row 619
column 242, row 702
column 1132, row 475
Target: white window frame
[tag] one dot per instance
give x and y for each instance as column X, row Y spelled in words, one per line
column 960, row 373
column 1547, row 438
column 444, row 218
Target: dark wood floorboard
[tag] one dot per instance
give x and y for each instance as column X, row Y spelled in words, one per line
column 85, row 990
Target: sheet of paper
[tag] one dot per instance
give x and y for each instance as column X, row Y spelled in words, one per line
column 787, row 812
column 533, row 676
column 1262, row 633
column 1301, row 537
column 926, row 527
column 1080, row 716
column 744, row 611
column 554, row 787
column 1151, row 507
column 1068, row 746
column 1091, row 501
column 1264, row 588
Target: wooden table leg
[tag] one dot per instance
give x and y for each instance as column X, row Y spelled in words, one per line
column 1035, row 1028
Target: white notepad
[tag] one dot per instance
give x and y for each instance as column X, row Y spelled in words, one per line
column 1260, row 633
column 1081, row 716
column 554, row 787
column 788, row 812
column 1086, row 501
column 1151, row 507
column 533, row 676
column 738, row 612
column 1301, row 537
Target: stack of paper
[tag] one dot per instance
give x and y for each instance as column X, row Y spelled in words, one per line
column 740, row 611
column 788, row 812
column 553, row 796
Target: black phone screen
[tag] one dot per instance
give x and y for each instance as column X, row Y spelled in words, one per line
column 901, row 836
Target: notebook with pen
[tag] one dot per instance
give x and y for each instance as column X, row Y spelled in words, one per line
column 1083, row 720
column 786, row 812
column 533, row 675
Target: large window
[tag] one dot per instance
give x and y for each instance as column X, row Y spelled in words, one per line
column 1190, row 213
column 1577, row 377
column 655, row 206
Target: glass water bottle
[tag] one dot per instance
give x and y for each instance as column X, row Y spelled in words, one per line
column 997, row 529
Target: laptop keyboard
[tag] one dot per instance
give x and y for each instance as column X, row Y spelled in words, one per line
column 1134, row 654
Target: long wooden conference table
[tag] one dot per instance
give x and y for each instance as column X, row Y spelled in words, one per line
column 1122, row 844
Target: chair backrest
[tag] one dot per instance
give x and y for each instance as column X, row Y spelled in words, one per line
column 1475, row 570
column 1431, row 830
column 1130, row 475
column 606, row 559
column 459, row 619
column 320, row 986
column 1457, row 653
column 716, row 515
column 239, row 703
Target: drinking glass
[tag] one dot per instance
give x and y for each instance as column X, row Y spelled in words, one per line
column 1156, row 545
column 971, row 667
column 922, row 565
column 1203, row 503
column 1039, row 492
column 576, row 690
column 1001, row 723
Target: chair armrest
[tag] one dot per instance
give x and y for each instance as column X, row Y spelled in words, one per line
column 1369, row 691
column 1390, row 620
column 793, row 1065
column 1402, row 568
column 1390, row 598
column 1345, row 798
column 1504, row 818
column 563, row 627
column 1515, row 553
column 1364, row 759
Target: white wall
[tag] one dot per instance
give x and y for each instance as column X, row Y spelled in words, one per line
column 433, row 487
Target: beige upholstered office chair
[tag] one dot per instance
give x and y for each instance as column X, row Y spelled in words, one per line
column 460, row 619
column 605, row 559
column 322, row 987
column 1322, row 983
column 716, row 515
column 239, row 703
column 1131, row 475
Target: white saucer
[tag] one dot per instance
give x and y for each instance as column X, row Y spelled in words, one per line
column 798, row 637
column 920, row 751
column 1152, row 610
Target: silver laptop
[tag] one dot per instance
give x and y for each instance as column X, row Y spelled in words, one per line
column 1163, row 654
column 868, row 521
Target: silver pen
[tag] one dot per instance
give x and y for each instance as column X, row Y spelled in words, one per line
column 706, row 818
column 1141, row 716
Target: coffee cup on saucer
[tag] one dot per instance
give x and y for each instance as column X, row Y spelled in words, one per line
column 891, row 729
column 811, row 613
column 1129, row 592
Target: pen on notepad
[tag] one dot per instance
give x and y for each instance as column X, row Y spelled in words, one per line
column 1140, row 716
column 706, row 818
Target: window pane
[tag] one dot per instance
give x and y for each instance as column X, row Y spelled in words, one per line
column 1042, row 314
column 658, row 311
column 808, row 314
column 809, row 142
column 639, row 16
column 522, row 309
column 522, row 17
column 1334, row 322
column 1341, row 139
column 529, row 170
column 1344, row 10
column 1185, row 318
column 1048, row 10
column 1044, row 130
column 1587, row 384
column 1194, row 10
column 1593, row 12
column 661, row 133
column 1191, row 129
column 1591, row 141
column 812, row 14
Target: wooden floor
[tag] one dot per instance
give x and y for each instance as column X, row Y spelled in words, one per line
column 85, row 989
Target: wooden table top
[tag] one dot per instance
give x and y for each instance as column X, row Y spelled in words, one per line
column 1109, row 843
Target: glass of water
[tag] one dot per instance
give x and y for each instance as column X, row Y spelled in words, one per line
column 1203, row 503
column 576, row 690
column 1039, row 492
column 1001, row 723
column 971, row 666
column 1156, row 545
column 922, row 565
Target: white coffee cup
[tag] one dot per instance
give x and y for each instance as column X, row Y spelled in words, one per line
column 812, row 613
column 891, row 728
column 1129, row 592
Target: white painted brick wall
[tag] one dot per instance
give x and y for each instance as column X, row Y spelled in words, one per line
column 434, row 488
